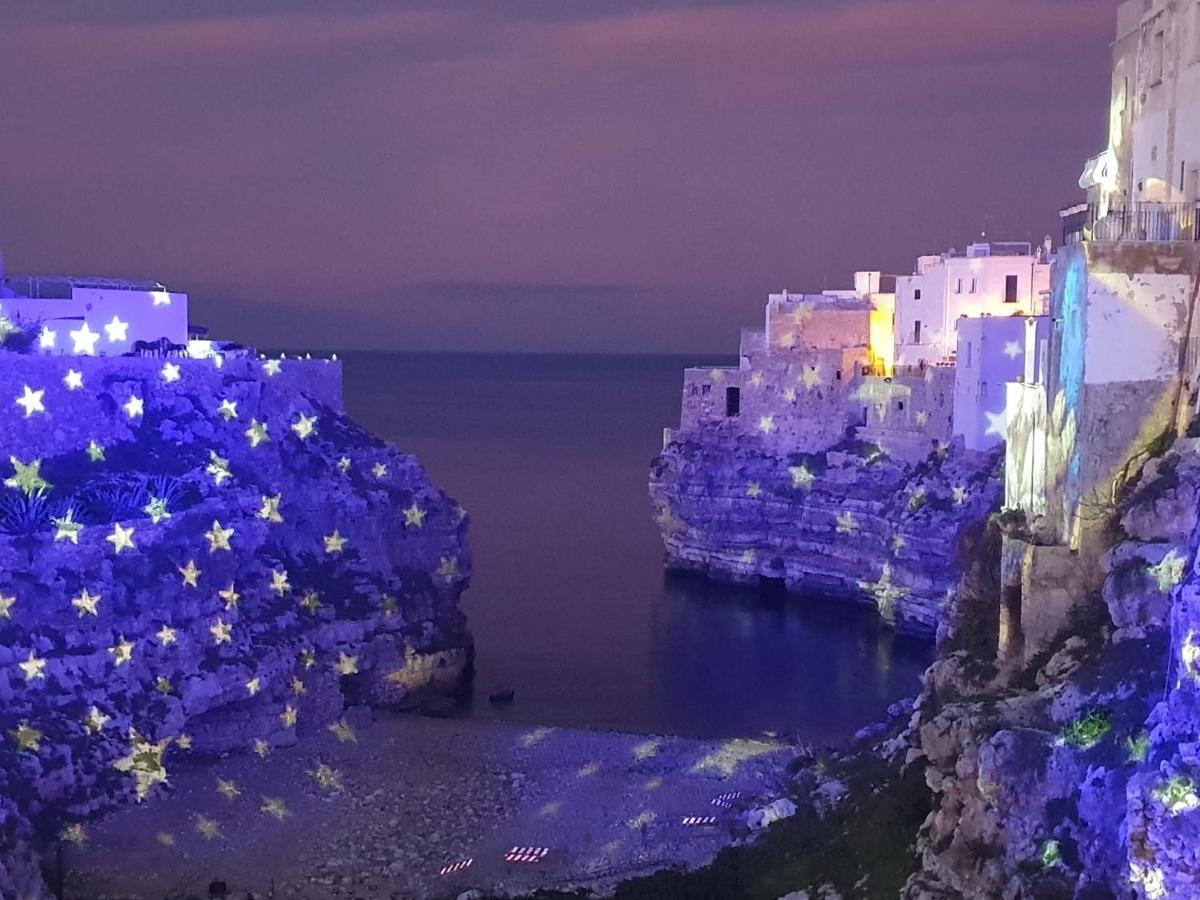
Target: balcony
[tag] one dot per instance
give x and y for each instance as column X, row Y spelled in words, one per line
column 1142, row 221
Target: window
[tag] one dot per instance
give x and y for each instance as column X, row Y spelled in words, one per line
column 733, row 401
column 706, row 389
column 839, row 374
column 958, row 286
column 917, row 331
column 1011, row 283
column 970, row 353
column 1157, row 52
column 916, row 293
column 900, row 405
column 983, row 389
column 974, row 284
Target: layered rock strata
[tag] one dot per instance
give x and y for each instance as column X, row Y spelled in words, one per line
column 194, row 560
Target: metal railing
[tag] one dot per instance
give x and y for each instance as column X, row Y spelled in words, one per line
column 1138, row 221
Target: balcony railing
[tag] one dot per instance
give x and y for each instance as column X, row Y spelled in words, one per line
column 1142, row 221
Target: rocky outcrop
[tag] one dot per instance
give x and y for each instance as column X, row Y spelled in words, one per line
column 196, row 560
column 1048, row 779
column 849, row 522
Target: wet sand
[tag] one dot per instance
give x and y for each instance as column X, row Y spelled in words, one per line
column 411, row 795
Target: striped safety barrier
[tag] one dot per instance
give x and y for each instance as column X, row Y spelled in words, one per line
column 727, row 800
column 526, row 854
column 457, row 867
column 699, row 820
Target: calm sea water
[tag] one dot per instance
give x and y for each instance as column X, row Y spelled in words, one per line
column 569, row 604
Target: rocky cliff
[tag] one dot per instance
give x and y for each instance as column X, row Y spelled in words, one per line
column 849, row 522
column 1074, row 774
column 195, row 560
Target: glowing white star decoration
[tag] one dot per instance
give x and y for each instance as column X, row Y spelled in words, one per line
column 766, row 424
column 73, row 380
column 47, row 338
column 31, row 401
column 170, row 372
column 116, row 330
column 84, row 340
column 997, row 424
column 134, row 406
column 1012, row 349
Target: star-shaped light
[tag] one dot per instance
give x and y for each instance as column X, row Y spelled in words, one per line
column 160, row 298
column 26, row 736
column 121, row 538
column 73, row 379
column 209, row 829
column 122, row 651
column 31, row 401
column 757, row 379
column 218, row 537
column 922, row 418
column 766, row 424
column 145, row 763
column 447, row 570
column 87, row 604
column 6, row 605
column 379, row 470
column 190, row 574
column 47, row 338
column 304, row 426
column 1012, row 349
column 157, row 510
column 84, row 340
column 347, row 664
column 801, row 476
column 960, row 494
column 230, row 596
column 116, row 330
column 335, row 543
column 95, row 452
column 279, row 582
column 166, row 635
column 343, row 731
column 298, row 687
column 414, row 516
column 308, row 658
column 898, row 543
column 228, row 410
column 162, row 684
column 288, row 717
column 221, row 631
column 257, row 433
column 275, row 807
column 27, row 478
column 789, row 395
column 327, row 778
column 311, row 602
column 134, row 406
column 996, row 424
column 95, row 720
column 218, row 467
column 846, row 523
column 254, row 685
column 272, row 367
column 228, row 789
column 34, row 667
column 812, row 378
column 754, row 490
column 261, row 748
column 165, row 838
column 343, row 464
column 885, row 592
column 1169, row 571
column 270, row 509
column 170, row 372
column 184, row 742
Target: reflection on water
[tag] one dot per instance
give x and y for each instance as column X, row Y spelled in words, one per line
column 568, row 603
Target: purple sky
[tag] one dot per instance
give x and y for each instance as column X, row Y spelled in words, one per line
column 597, row 175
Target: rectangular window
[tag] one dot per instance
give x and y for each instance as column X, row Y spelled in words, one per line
column 1157, row 57
column 974, row 284
column 917, row 294
column 958, row 286
column 917, row 331
column 970, row 353
column 733, row 401
column 1011, row 284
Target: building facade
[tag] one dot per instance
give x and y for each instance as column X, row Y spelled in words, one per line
column 993, row 351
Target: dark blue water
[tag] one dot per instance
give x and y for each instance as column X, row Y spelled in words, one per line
column 569, row 604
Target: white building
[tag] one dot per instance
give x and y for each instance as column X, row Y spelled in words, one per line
column 989, row 279
column 993, row 351
column 92, row 316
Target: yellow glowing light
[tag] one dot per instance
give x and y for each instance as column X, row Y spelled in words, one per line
column 257, row 433
column 34, row 667
column 270, row 509
column 335, row 543
column 190, row 574
column 343, row 731
column 346, row 664
column 414, row 516
column 87, row 604
column 279, row 582
column 230, row 596
column 122, row 651
column 218, row 537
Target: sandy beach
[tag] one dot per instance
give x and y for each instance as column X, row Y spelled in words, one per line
column 380, row 815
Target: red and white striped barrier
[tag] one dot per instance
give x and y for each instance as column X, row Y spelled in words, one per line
column 459, row 866
column 727, row 800
column 526, row 854
column 694, row 821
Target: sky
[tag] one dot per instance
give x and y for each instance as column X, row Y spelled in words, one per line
column 619, row 176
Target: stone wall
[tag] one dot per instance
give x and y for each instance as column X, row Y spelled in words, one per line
column 223, row 568
column 850, row 522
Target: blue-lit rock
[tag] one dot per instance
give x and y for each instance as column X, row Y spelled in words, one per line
column 230, row 658
column 848, row 522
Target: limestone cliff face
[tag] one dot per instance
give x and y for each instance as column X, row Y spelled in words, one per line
column 849, row 522
column 1072, row 776
column 199, row 561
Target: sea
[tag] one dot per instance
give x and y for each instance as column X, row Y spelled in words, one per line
column 569, row 603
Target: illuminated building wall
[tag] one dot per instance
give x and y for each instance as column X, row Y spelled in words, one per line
column 991, row 352
column 101, row 321
column 990, row 279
